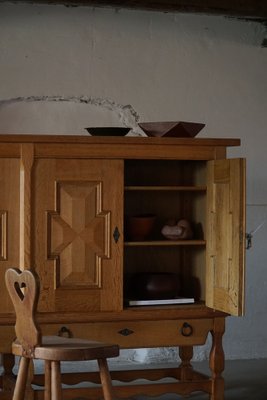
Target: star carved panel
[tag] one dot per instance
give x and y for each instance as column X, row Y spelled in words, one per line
column 78, row 234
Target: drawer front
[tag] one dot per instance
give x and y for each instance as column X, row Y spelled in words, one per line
column 139, row 334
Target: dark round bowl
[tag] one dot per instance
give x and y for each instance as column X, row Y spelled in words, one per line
column 108, row 131
column 140, row 227
column 155, row 285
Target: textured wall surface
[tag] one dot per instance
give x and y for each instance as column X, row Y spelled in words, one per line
column 65, row 68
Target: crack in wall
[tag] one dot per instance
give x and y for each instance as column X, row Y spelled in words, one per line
column 127, row 115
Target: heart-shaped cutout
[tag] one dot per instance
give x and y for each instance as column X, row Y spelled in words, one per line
column 22, row 286
column 18, row 286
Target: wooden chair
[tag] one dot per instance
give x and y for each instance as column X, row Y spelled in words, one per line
column 23, row 288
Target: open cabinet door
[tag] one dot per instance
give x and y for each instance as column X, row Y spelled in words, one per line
column 226, row 236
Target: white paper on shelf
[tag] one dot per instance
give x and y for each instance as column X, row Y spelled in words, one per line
column 181, row 300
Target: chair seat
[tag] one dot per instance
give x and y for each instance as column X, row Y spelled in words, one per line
column 58, row 348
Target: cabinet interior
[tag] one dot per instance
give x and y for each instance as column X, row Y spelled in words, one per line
column 170, row 190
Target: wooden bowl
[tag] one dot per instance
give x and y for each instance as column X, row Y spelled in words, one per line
column 180, row 129
column 140, row 227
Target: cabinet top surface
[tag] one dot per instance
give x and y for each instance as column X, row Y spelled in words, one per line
column 129, row 140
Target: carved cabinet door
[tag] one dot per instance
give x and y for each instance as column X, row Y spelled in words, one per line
column 78, row 234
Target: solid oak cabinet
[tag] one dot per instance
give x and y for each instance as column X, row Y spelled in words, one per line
column 64, row 204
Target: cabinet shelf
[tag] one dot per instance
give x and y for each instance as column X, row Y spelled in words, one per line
column 197, row 304
column 167, row 188
column 166, row 243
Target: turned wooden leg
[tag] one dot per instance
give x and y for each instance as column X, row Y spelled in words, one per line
column 56, row 390
column 217, row 360
column 186, row 354
column 105, row 379
column 29, row 394
column 22, row 378
column 47, row 393
column 8, row 379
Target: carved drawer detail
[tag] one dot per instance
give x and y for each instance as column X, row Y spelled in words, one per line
column 131, row 334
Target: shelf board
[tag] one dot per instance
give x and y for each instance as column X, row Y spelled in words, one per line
column 167, row 188
column 197, row 305
column 162, row 302
column 167, row 243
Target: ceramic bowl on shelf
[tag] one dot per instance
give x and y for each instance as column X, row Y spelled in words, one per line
column 180, row 129
column 156, row 285
column 177, row 230
column 140, row 227
column 108, row 131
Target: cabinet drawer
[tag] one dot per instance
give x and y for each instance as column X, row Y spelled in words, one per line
column 139, row 334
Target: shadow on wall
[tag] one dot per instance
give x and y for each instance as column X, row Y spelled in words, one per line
column 63, row 115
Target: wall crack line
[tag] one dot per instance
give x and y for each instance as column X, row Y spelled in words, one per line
column 127, row 115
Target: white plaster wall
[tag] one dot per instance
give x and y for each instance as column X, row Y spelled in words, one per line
column 64, row 68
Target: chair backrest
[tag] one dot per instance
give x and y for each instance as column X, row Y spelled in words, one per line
column 23, row 288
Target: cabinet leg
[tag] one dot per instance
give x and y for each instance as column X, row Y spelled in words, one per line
column 186, row 354
column 8, row 379
column 217, row 360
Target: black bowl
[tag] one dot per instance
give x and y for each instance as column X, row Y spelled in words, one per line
column 108, row 131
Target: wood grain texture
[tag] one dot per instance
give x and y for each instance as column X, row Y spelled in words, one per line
column 217, row 360
column 3, row 235
column 56, row 390
column 105, row 379
column 20, row 389
column 225, row 236
column 9, row 224
column 23, row 288
column 79, row 234
column 73, row 209
column 26, row 163
column 138, row 334
column 110, row 141
column 67, row 200
column 47, row 383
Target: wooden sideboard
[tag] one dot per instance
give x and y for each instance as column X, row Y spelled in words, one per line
column 63, row 204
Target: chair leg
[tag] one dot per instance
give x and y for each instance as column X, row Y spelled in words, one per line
column 56, row 390
column 19, row 392
column 47, row 393
column 105, row 379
